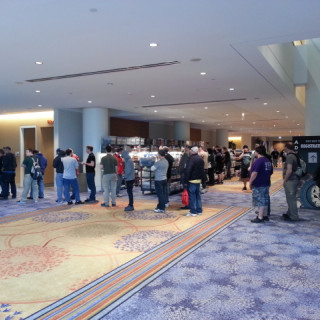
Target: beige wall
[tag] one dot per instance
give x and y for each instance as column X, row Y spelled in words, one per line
column 10, row 136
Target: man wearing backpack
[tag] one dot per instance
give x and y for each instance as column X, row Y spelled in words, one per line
column 28, row 180
column 290, row 183
column 245, row 158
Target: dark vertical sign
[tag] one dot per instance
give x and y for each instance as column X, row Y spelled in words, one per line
column 308, row 148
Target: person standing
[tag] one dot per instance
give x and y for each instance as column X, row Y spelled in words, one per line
column 90, row 174
column 245, row 158
column 220, row 165
column 43, row 165
column 182, row 167
column 193, row 177
column 211, row 166
column 70, row 167
column 129, row 177
column 58, row 165
column 290, row 183
column 227, row 162
column 9, row 165
column 160, row 169
column 260, row 183
column 204, row 155
column 109, row 164
column 28, row 180
column 170, row 160
column 120, row 171
column 275, row 157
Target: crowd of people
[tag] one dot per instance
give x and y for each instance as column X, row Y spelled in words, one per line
column 197, row 168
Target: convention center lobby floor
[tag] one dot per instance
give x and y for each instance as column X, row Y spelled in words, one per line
column 89, row 262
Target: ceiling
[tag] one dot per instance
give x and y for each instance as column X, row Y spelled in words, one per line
column 218, row 37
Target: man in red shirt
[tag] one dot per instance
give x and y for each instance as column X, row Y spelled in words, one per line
column 120, row 170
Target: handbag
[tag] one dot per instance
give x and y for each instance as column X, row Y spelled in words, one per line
column 185, row 197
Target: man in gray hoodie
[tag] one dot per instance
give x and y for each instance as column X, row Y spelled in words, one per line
column 129, row 176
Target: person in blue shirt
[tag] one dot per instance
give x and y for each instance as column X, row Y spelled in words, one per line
column 261, row 171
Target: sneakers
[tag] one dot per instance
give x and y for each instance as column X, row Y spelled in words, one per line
column 113, row 204
column 158, row 211
column 79, row 202
column 189, row 214
column 257, row 220
column 266, row 218
column 167, row 205
column 70, row 203
column 185, row 208
column 105, row 205
column 119, row 195
column 22, row 202
column 129, row 208
column 244, row 188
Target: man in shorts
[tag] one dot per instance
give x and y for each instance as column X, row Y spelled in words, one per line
column 260, row 183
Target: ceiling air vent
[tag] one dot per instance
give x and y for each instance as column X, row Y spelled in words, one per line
column 84, row 74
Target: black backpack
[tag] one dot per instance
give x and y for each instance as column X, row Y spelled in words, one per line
column 35, row 173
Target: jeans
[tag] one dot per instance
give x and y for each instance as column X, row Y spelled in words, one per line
column 290, row 188
column 194, row 198
column 40, row 188
column 75, row 188
column 211, row 176
column 59, row 184
column 109, row 184
column 119, row 183
column 129, row 191
column 167, row 191
column 27, row 182
column 8, row 178
column 161, row 190
column 91, row 185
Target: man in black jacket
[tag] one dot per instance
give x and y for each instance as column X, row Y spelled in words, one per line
column 170, row 160
column 9, row 165
column 193, row 175
column 58, row 165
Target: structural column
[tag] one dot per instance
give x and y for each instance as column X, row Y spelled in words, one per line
column 181, row 130
column 95, row 127
column 222, row 137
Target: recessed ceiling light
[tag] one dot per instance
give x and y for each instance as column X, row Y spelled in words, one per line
column 153, row 44
column 39, row 105
column 218, row 124
column 274, row 125
column 253, row 122
column 206, row 108
column 89, row 101
column 242, row 114
column 155, row 110
column 231, row 89
column 39, row 62
column 278, row 111
column 298, row 124
column 37, row 91
column 227, row 114
column 280, row 137
column 202, row 121
column 152, row 96
column 265, row 103
column 203, row 73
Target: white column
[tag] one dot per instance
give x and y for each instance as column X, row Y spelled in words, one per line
column 222, row 137
column 181, row 130
column 95, row 127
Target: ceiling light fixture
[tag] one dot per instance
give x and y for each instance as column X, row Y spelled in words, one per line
column 153, row 44
column 155, row 110
column 152, row 96
column 39, row 105
column 202, row 121
column 278, row 111
column 37, row 91
column 203, row 73
column 39, row 62
column 227, row 114
column 206, row 108
column 231, row 89
column 182, row 117
column 89, row 101
column 265, row 103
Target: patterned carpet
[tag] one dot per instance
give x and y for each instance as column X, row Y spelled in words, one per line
column 172, row 268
